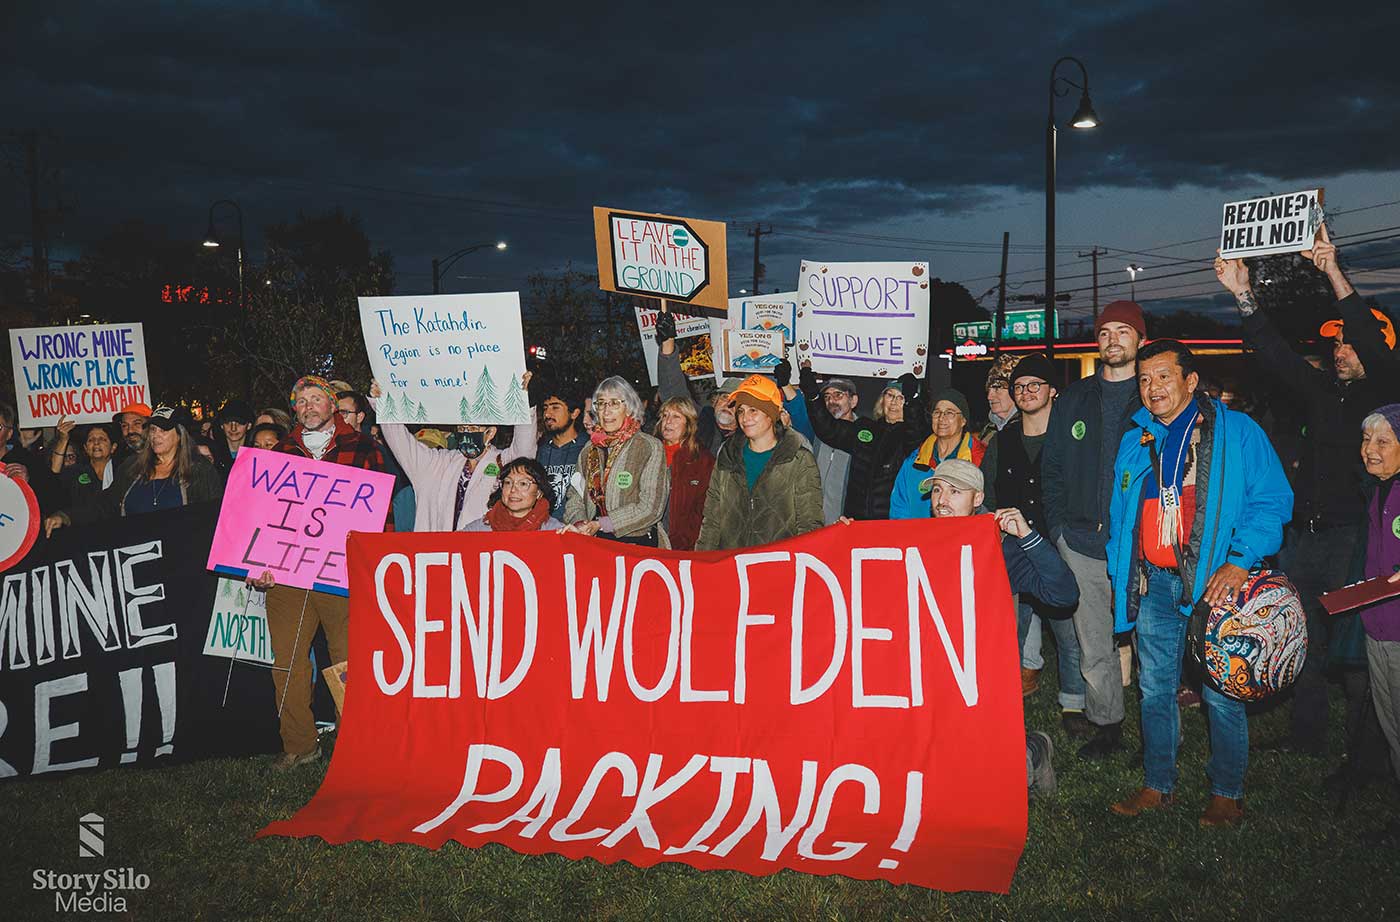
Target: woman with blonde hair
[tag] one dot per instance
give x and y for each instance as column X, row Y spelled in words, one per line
column 621, row 488
column 690, row 465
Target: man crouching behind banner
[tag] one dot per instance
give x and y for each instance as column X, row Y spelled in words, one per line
column 1033, row 567
column 292, row 614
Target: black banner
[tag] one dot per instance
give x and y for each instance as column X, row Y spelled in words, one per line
column 102, row 630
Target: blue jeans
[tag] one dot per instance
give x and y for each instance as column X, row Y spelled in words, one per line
column 1161, row 637
column 1028, row 639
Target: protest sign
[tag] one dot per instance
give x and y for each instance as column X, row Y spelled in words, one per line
column 845, row 702
column 679, row 259
column 863, row 318
column 19, row 520
column 86, row 373
column 238, row 626
column 1269, row 225
column 693, row 343
column 289, row 516
column 752, row 351
column 101, row 634
column 447, row 358
column 769, row 312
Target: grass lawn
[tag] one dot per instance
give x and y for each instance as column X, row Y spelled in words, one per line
column 191, row 829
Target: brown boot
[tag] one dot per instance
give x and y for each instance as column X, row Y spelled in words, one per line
column 1144, row 799
column 1223, row 811
column 1030, row 681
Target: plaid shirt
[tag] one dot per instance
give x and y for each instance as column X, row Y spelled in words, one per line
column 348, row 446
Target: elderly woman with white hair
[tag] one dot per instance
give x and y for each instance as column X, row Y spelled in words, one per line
column 621, row 488
column 1380, row 452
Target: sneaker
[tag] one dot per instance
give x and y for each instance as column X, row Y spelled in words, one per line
column 1030, row 681
column 1144, row 799
column 1042, row 752
column 1077, row 726
column 291, row 760
column 1223, row 811
column 1107, row 740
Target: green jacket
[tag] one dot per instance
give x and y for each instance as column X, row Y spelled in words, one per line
column 786, row 501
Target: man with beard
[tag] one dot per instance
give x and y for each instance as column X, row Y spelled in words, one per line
column 1324, row 535
column 563, row 439
column 1081, row 444
column 294, row 614
column 131, row 427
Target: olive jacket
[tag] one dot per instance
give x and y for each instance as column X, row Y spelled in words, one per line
column 785, row 501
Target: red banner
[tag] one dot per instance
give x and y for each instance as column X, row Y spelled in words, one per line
column 847, row 702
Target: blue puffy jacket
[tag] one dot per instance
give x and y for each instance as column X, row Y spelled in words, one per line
column 1242, row 503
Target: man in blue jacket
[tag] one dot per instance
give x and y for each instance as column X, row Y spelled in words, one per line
column 1199, row 499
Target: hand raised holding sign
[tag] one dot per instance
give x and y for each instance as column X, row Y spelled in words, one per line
column 1323, row 255
column 1232, row 273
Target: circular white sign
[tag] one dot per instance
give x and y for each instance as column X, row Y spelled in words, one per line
column 19, row 521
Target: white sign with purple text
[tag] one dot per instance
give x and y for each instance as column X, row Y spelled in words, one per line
column 868, row 319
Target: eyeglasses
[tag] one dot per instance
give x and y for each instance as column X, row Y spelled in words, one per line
column 609, row 403
column 948, row 413
column 1030, row 387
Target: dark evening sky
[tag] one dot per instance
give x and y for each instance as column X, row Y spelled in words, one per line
column 856, row 131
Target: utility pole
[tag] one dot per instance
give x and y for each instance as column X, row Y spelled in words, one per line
column 1094, row 254
column 1001, row 294
column 39, row 244
column 757, row 235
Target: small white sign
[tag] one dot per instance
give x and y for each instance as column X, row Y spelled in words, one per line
column 447, row 358
column 693, row 343
column 748, row 352
column 238, row 625
column 1270, row 225
column 766, row 312
column 86, row 373
column 868, row 319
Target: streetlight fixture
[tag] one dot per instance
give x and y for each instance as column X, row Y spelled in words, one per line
column 1133, row 269
column 442, row 265
column 211, row 241
column 1084, row 118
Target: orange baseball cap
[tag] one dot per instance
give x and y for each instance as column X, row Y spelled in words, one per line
column 140, row 409
column 760, row 393
column 1332, row 327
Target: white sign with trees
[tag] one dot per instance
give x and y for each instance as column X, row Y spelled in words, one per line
column 447, row 358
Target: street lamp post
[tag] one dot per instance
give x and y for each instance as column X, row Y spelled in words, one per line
column 1133, row 269
column 442, row 265
column 211, row 240
column 1084, row 117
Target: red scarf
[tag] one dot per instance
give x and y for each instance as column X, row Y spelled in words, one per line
column 500, row 519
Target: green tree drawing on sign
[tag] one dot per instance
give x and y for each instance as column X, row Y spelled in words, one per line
column 485, row 407
column 422, row 416
column 387, row 409
column 516, row 410
column 464, row 410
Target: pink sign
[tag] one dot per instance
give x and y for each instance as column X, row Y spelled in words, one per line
column 289, row 516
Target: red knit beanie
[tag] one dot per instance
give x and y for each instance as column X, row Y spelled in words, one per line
column 1123, row 312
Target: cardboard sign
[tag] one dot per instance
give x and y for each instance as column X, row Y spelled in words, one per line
column 693, row 343
column 866, row 319
column 87, row 373
column 749, row 352
column 238, row 626
column 19, row 520
column 679, row 259
column 289, row 515
column 447, row 358
column 1274, row 224
column 771, row 312
column 845, row 702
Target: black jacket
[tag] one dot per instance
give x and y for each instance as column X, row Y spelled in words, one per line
column 1076, row 487
column 1019, row 484
column 877, row 449
column 1329, row 489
